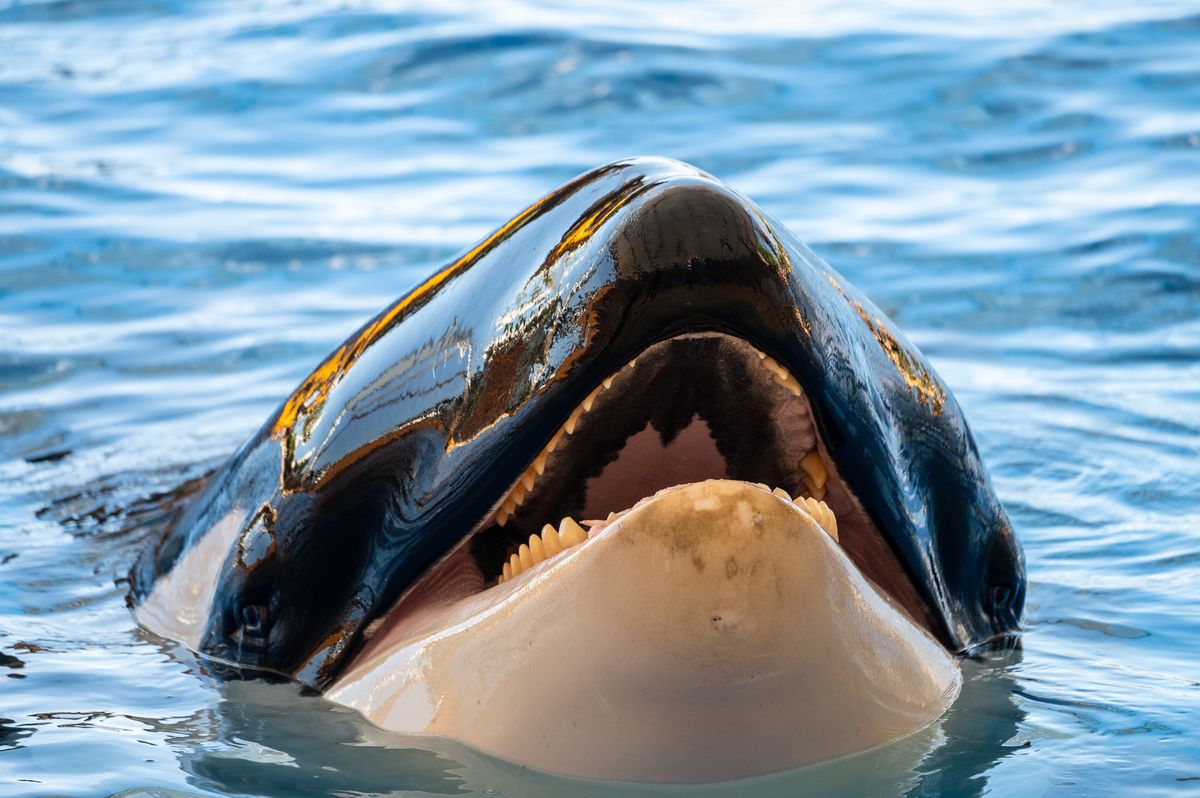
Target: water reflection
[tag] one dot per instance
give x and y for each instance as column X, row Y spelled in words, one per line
column 11, row 733
column 272, row 741
column 981, row 729
column 275, row 741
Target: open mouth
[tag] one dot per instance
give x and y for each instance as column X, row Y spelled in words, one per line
column 629, row 594
column 695, row 407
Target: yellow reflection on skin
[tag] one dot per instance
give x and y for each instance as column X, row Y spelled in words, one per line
column 328, row 651
column 929, row 389
column 595, row 217
column 313, row 392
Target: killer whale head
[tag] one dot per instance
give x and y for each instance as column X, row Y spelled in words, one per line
column 692, row 333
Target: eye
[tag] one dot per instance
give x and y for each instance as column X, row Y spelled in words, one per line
column 253, row 620
column 1004, row 584
column 1000, row 595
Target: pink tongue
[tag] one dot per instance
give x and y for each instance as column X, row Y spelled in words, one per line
column 644, row 466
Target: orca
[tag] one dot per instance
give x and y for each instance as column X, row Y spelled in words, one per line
column 636, row 488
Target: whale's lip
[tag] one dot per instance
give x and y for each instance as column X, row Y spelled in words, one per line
column 522, row 533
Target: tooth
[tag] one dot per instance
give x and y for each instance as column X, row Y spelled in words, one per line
column 553, row 444
column 528, row 478
column 631, row 363
column 551, row 541
column 607, row 383
column 536, row 550
column 591, row 398
column 573, row 420
column 814, row 466
column 507, row 507
column 831, row 524
column 775, row 368
column 539, row 465
column 517, row 495
column 543, row 547
column 781, row 493
column 610, row 518
column 815, row 473
column 571, row 533
column 790, row 383
column 822, row 514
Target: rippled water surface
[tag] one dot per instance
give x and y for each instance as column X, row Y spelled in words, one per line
column 198, row 201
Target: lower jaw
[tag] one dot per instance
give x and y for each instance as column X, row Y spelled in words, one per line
column 714, row 631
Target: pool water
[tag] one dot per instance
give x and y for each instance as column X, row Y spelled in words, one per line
column 199, row 200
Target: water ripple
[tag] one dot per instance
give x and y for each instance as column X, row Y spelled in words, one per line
column 198, row 200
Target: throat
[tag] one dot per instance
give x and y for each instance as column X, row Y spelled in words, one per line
column 648, row 463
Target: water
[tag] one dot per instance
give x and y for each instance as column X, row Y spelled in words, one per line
column 198, row 201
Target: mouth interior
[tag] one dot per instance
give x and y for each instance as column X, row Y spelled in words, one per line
column 691, row 408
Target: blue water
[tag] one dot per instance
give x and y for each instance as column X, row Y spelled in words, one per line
column 198, row 201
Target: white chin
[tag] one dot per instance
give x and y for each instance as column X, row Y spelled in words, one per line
column 716, row 630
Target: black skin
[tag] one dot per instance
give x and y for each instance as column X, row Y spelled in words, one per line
column 408, row 434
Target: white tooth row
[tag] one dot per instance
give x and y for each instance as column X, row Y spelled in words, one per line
column 553, row 541
column 544, row 546
column 516, row 496
column 816, row 508
column 781, row 375
column 815, row 473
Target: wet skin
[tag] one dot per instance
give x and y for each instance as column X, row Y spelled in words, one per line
column 413, row 430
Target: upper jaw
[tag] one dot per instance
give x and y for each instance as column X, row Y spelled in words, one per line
column 706, row 607
column 695, row 406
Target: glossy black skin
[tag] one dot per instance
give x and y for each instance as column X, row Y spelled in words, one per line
column 411, row 431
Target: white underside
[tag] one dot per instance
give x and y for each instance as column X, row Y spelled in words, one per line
column 712, row 632
column 179, row 606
